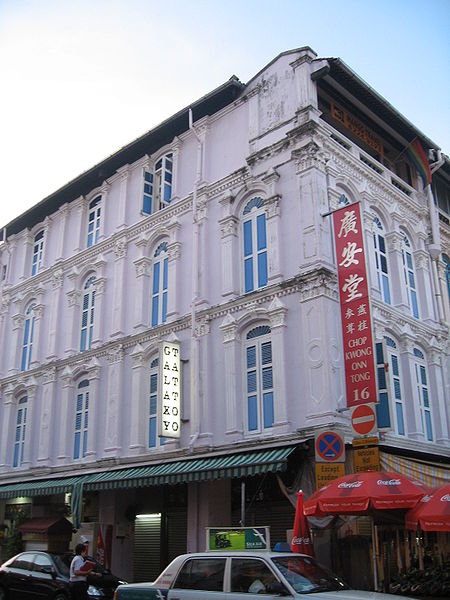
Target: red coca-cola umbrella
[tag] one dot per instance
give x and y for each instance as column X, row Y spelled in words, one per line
column 432, row 513
column 361, row 492
column 301, row 538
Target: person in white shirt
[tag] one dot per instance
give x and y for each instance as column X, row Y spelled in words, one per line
column 78, row 578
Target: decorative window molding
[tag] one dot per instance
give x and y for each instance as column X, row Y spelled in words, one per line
column 158, row 184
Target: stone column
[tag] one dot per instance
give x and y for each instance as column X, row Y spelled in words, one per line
column 122, row 212
column 4, row 320
column 233, row 421
column 94, row 417
column 18, row 322
column 7, row 428
column 31, row 390
column 140, row 393
column 436, row 387
column 114, row 402
column 27, row 248
column 47, row 421
column 54, row 313
column 74, row 298
column 77, row 222
column 63, row 213
column 38, row 311
column 422, row 268
column 142, row 295
column 399, row 295
column 229, row 233
column 65, row 431
column 104, row 191
column 277, row 315
column 98, row 335
column 120, row 300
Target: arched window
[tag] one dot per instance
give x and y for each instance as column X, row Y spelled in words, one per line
column 423, row 397
column 409, row 277
column 38, row 249
column 94, row 221
column 343, row 200
column 158, row 185
column 395, row 385
column 28, row 334
column 81, row 420
column 259, row 379
column 159, row 288
column 20, row 433
column 381, row 262
column 254, row 245
column 87, row 315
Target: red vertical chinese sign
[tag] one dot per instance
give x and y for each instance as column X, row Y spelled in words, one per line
column 360, row 375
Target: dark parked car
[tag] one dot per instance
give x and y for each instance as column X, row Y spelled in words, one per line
column 37, row 575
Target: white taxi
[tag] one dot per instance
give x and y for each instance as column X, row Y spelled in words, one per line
column 244, row 576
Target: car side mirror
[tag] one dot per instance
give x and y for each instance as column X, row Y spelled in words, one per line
column 276, row 587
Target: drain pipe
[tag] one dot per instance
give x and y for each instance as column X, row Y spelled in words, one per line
column 195, row 342
column 435, row 247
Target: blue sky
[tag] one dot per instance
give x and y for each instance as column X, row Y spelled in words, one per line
column 80, row 79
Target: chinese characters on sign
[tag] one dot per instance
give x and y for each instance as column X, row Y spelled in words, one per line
column 355, row 310
column 170, row 390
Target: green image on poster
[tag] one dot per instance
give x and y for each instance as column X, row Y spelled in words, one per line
column 245, row 538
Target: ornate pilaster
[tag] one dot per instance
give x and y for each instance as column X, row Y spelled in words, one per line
column 119, row 298
column 47, row 416
column 113, row 403
column 229, row 328
column 139, row 401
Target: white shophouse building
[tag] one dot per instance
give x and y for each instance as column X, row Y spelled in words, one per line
column 209, row 233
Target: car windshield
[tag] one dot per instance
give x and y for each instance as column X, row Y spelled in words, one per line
column 61, row 565
column 306, row 576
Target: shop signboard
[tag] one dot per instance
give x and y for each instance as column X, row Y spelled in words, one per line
column 238, row 538
column 365, row 455
column 170, row 390
column 326, row 472
column 355, row 307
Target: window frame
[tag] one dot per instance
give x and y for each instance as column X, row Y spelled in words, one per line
column 254, row 246
column 409, row 277
column 423, row 396
column 381, row 255
column 395, row 385
column 28, row 335
column 88, row 311
column 38, row 252
column 20, row 432
column 94, row 218
column 160, row 281
column 260, row 397
column 80, row 437
column 157, row 184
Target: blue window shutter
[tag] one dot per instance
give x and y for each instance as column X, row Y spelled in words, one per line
column 252, row 413
column 262, row 269
column 248, row 274
column 248, row 238
column 268, row 409
column 156, row 278
column 261, row 232
column 155, row 306
column 382, row 408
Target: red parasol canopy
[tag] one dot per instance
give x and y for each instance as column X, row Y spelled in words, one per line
column 301, row 539
column 357, row 493
column 432, row 513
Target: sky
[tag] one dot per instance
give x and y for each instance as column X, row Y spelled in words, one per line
column 80, row 79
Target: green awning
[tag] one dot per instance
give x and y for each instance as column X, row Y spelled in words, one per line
column 184, row 471
column 39, row 488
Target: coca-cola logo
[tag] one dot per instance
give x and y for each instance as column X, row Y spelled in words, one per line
column 301, row 540
column 388, row 482
column 350, row 484
column 445, row 498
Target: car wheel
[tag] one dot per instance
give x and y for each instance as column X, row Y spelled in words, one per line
column 3, row 595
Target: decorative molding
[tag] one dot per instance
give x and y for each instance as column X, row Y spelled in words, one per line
column 143, row 266
column 120, row 248
column 74, row 297
column 49, row 375
column 115, row 355
column 229, row 226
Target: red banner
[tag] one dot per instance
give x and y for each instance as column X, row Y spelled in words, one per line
column 360, row 375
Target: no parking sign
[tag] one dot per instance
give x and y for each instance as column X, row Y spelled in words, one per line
column 329, row 447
